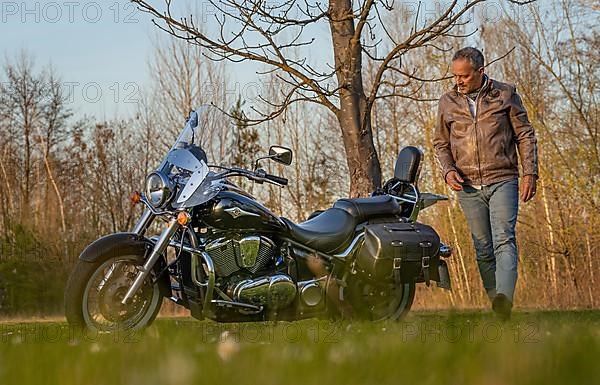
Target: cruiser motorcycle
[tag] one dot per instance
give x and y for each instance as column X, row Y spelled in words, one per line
column 225, row 257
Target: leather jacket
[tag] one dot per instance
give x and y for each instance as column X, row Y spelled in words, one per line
column 483, row 149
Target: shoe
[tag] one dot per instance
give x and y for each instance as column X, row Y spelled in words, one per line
column 502, row 307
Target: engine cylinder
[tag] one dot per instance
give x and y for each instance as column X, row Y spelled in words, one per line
column 251, row 253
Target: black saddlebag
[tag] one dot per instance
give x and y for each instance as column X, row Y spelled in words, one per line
column 408, row 252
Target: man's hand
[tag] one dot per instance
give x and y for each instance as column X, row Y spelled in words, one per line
column 528, row 187
column 454, row 180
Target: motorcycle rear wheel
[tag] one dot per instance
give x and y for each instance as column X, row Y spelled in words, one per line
column 95, row 289
column 380, row 303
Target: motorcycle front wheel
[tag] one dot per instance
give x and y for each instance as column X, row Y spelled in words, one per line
column 95, row 289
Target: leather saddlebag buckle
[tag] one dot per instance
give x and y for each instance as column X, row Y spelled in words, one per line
column 425, row 267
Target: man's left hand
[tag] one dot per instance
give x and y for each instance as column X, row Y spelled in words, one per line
column 528, row 187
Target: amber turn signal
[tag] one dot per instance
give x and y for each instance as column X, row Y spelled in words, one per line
column 135, row 197
column 183, row 218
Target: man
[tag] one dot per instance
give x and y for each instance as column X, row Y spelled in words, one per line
column 481, row 125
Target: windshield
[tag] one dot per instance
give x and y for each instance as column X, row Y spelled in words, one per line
column 186, row 164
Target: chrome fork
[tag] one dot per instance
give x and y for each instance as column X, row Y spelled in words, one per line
column 159, row 248
column 143, row 223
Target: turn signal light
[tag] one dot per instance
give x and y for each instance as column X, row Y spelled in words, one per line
column 183, row 218
column 135, row 197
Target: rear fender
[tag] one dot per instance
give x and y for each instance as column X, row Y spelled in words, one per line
column 128, row 243
column 429, row 199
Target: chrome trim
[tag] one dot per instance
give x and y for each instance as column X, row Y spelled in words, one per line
column 210, row 270
column 306, row 248
column 245, row 306
column 445, row 250
column 154, row 211
column 350, row 248
column 305, row 286
column 210, row 284
column 414, row 200
column 249, row 247
column 273, row 291
column 166, row 190
column 403, row 199
column 216, row 244
column 416, row 208
column 143, row 223
column 236, row 212
column 159, row 248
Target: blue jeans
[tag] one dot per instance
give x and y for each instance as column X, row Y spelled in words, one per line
column 491, row 214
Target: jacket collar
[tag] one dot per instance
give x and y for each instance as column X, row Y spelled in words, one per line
column 487, row 85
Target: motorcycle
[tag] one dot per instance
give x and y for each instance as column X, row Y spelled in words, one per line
column 226, row 257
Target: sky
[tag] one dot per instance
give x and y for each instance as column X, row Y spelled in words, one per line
column 99, row 49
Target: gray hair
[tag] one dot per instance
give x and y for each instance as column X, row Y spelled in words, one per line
column 473, row 55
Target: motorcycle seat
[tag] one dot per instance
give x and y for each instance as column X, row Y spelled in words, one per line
column 363, row 209
column 328, row 232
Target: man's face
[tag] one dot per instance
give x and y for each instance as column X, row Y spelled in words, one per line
column 466, row 78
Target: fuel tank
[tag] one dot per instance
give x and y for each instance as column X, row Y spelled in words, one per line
column 232, row 211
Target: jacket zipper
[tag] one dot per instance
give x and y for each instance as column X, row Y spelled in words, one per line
column 477, row 101
column 474, row 118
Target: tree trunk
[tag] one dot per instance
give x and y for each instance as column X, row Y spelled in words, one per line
column 24, row 212
column 363, row 163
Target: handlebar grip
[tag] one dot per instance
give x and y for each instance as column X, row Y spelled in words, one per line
column 277, row 179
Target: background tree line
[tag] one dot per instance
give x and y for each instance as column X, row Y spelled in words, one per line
column 64, row 181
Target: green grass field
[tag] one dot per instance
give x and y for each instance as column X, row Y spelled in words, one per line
column 427, row 348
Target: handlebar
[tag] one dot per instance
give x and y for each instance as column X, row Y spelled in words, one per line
column 277, row 179
column 258, row 176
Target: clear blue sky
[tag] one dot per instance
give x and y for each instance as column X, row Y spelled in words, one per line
column 99, row 48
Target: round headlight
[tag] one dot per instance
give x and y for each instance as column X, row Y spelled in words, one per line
column 159, row 189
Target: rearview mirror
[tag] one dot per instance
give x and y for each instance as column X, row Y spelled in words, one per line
column 281, row 154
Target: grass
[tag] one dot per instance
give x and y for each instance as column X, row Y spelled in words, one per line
column 427, row 348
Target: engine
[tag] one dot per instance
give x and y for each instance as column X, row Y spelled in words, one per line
column 249, row 253
column 238, row 259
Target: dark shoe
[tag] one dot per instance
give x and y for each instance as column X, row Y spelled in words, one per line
column 502, row 307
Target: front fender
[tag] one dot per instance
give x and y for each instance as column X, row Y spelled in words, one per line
column 108, row 246
column 123, row 244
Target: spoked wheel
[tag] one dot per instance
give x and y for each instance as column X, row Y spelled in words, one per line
column 95, row 290
column 380, row 302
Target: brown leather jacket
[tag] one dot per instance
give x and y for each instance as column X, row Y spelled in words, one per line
column 484, row 149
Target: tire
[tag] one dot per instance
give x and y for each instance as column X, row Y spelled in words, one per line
column 394, row 304
column 83, row 284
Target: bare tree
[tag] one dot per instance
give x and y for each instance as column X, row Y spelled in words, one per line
column 51, row 133
column 182, row 79
column 263, row 32
column 22, row 94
